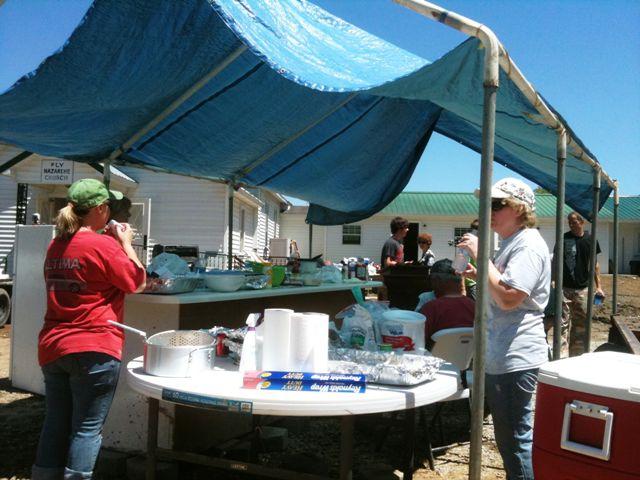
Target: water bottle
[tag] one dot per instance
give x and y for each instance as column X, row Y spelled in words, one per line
column 461, row 260
column 345, row 272
column 352, row 269
column 115, row 225
column 361, row 269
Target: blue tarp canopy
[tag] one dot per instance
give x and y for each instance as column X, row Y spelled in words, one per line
column 314, row 107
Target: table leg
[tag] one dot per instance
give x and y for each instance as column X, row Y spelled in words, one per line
column 152, row 438
column 409, row 442
column 424, row 424
column 346, row 447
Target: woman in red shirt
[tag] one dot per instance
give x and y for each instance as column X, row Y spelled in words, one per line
column 87, row 276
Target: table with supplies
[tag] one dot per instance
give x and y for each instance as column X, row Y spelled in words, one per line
column 191, row 311
column 221, row 389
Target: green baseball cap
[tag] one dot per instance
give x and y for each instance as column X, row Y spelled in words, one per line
column 89, row 193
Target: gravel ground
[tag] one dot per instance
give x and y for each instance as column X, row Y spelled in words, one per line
column 21, row 417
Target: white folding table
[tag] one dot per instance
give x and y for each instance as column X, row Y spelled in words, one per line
column 221, row 389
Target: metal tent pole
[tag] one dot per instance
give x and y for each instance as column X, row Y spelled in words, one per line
column 592, row 259
column 310, row 240
column 106, row 173
column 616, row 232
column 558, row 254
column 490, row 83
column 230, row 226
column 482, row 302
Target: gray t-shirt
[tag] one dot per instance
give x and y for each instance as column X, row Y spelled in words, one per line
column 516, row 339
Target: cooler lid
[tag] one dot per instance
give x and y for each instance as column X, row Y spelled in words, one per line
column 609, row 374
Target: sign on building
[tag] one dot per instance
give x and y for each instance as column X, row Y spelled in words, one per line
column 57, row 171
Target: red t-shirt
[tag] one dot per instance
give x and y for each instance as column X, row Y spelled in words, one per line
column 87, row 277
column 447, row 312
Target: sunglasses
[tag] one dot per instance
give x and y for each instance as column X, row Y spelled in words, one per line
column 424, row 241
column 497, row 205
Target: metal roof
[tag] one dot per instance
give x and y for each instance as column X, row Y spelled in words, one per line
column 453, row 204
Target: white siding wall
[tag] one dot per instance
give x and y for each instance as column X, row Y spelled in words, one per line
column 293, row 227
column 267, row 226
column 375, row 231
column 29, row 170
column 250, row 217
column 548, row 232
column 8, row 192
column 629, row 245
column 184, row 210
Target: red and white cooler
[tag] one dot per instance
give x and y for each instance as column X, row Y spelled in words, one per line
column 587, row 418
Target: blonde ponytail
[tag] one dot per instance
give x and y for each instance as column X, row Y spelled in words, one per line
column 69, row 220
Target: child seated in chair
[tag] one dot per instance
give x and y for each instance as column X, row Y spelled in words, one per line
column 451, row 308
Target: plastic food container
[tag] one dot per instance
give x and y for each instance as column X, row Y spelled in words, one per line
column 308, row 266
column 171, row 286
column 312, row 279
column 225, row 280
column 403, row 329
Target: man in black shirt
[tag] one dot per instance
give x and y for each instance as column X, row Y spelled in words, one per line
column 575, row 281
column 393, row 249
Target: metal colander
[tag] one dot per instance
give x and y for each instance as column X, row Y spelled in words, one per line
column 181, row 338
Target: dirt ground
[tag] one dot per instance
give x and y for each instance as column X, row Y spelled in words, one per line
column 21, row 416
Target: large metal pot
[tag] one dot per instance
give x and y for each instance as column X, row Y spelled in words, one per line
column 176, row 353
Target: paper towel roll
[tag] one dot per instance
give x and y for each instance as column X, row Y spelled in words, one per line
column 321, row 348
column 309, row 342
column 275, row 346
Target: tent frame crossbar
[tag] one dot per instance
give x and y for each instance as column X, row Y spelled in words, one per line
column 188, row 93
column 475, row 29
column 277, row 148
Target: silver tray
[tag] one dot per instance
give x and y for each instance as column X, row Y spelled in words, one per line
column 171, row 286
column 387, row 368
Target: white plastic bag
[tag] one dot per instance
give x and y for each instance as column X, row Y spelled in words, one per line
column 168, row 265
column 357, row 328
column 376, row 309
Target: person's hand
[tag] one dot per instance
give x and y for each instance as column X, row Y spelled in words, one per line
column 121, row 232
column 471, row 272
column 470, row 244
column 600, row 292
column 409, row 262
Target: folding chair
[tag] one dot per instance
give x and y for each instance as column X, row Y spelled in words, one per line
column 455, row 345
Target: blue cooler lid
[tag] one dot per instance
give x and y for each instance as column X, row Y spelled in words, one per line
column 608, row 374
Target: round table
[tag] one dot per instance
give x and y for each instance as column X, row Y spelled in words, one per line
column 221, row 389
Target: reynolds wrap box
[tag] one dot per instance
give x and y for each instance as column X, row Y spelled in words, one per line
column 305, row 382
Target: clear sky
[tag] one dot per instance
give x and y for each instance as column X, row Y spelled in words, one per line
column 582, row 55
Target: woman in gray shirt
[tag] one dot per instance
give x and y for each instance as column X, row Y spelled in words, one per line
column 518, row 283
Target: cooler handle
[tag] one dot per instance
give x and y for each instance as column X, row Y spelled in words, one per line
column 588, row 410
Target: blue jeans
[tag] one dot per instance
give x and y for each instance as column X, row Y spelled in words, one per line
column 510, row 399
column 79, row 389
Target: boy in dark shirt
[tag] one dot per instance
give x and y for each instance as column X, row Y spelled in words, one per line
column 393, row 249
